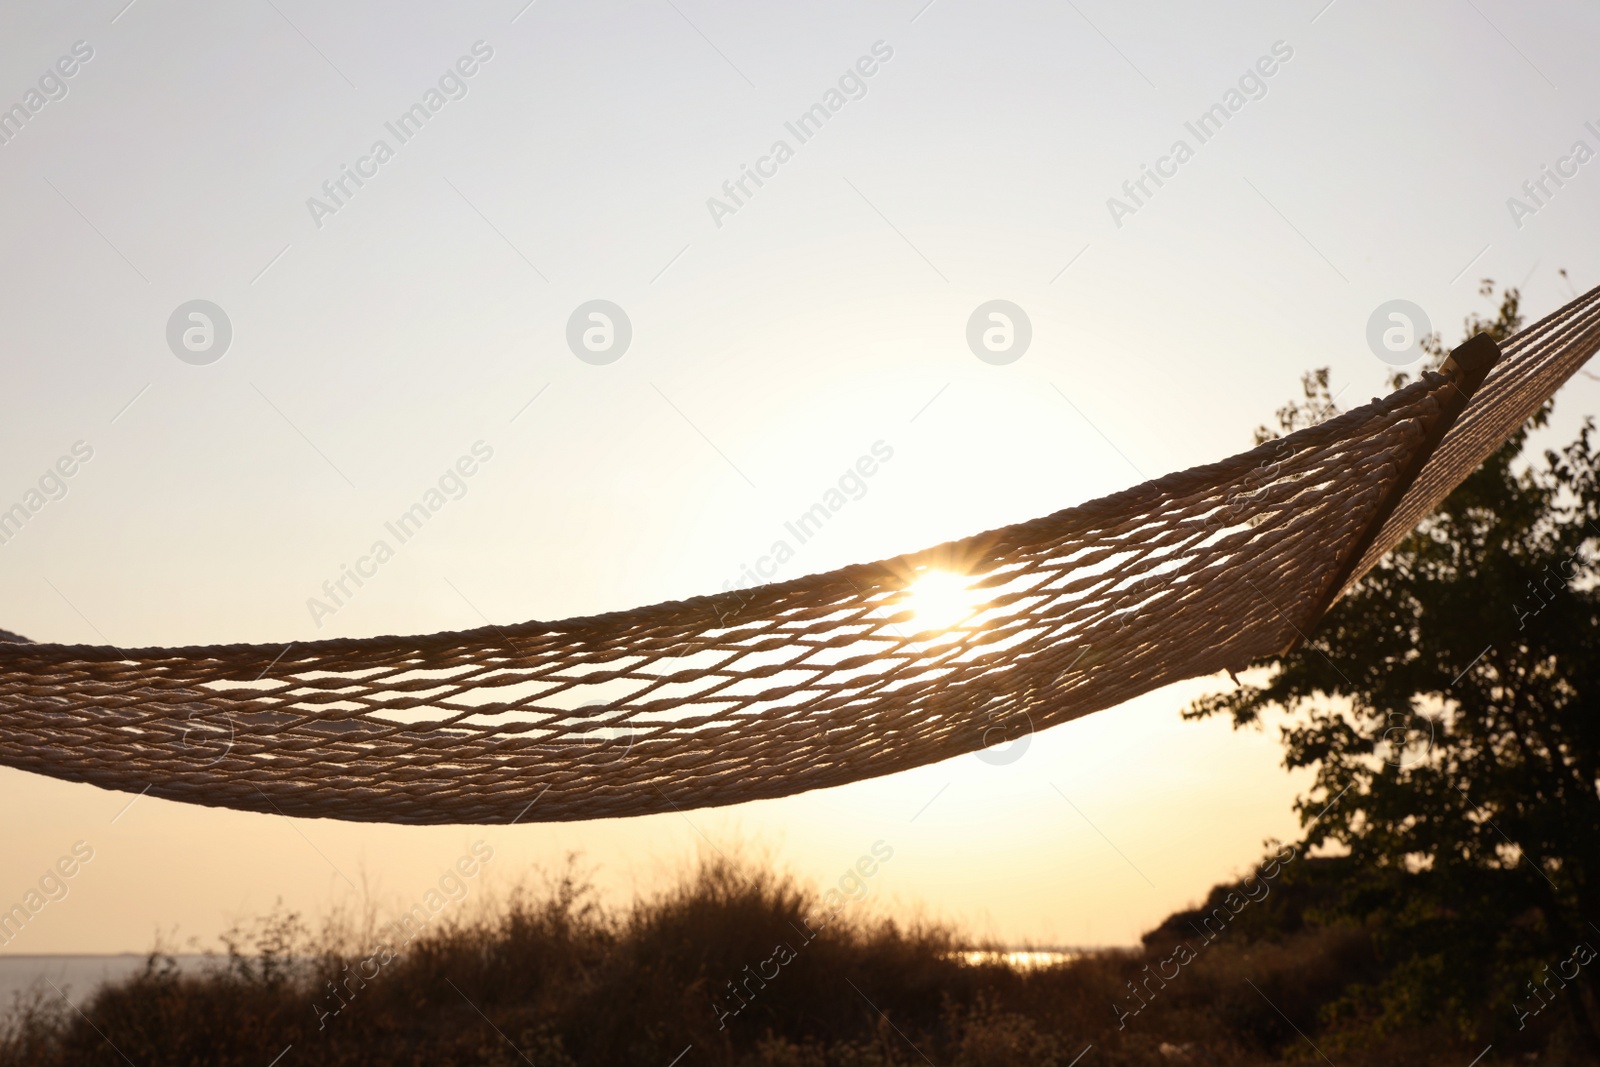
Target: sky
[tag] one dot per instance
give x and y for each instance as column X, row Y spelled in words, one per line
column 375, row 333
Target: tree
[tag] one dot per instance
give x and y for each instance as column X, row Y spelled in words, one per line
column 1449, row 706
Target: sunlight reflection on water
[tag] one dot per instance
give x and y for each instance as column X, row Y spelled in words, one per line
column 1017, row 960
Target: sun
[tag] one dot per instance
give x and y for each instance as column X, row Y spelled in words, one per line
column 939, row 600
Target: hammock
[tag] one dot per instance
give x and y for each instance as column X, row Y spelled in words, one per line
column 819, row 681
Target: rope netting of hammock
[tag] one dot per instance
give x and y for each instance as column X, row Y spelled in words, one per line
column 819, row 681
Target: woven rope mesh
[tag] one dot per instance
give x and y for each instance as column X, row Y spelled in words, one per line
column 819, row 681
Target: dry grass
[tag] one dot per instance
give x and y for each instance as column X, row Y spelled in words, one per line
column 552, row 979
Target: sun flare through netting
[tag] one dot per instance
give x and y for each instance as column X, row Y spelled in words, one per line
column 822, row 680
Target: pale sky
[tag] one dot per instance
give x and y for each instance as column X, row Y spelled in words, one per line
column 772, row 345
